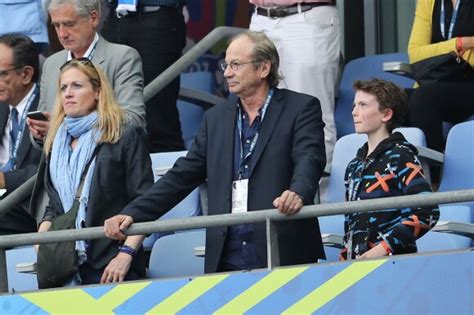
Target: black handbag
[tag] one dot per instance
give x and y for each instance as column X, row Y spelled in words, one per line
column 448, row 67
column 57, row 262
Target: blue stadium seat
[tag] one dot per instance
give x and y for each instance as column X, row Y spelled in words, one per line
column 188, row 207
column 190, row 115
column 344, row 151
column 174, row 255
column 458, row 168
column 163, row 161
column 20, row 281
column 363, row 69
column 436, row 241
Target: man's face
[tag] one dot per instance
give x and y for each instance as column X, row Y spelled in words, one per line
column 75, row 32
column 248, row 75
column 12, row 80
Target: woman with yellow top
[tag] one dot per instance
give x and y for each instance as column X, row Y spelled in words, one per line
column 441, row 26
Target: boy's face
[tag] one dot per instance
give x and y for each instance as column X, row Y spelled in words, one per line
column 368, row 118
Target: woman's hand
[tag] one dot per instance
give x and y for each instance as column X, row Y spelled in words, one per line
column 117, row 268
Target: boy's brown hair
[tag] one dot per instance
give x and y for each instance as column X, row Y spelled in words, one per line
column 389, row 95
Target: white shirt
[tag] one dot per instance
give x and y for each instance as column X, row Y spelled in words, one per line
column 5, row 141
column 88, row 51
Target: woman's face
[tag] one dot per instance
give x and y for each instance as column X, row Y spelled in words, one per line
column 77, row 94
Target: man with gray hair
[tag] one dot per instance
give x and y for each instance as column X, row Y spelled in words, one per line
column 265, row 151
column 76, row 22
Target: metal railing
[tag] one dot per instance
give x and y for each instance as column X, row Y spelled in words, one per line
column 269, row 216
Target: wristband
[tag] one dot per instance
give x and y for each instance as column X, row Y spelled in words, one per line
column 128, row 250
column 459, row 45
column 386, row 247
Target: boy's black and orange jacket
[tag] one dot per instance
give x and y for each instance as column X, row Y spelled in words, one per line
column 391, row 170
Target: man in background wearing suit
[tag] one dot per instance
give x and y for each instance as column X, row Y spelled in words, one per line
column 265, row 151
column 19, row 94
column 76, row 25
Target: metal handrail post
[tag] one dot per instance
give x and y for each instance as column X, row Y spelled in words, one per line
column 3, row 271
column 273, row 251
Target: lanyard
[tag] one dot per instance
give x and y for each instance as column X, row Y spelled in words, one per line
column 255, row 137
column 21, row 124
column 453, row 19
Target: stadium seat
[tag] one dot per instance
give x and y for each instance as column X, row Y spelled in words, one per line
column 174, row 255
column 188, row 207
column 458, row 168
column 436, row 241
column 363, row 69
column 190, row 115
column 20, row 281
column 344, row 151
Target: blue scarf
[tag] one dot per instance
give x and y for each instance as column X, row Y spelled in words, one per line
column 67, row 165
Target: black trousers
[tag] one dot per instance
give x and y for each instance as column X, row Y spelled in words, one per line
column 432, row 104
column 159, row 37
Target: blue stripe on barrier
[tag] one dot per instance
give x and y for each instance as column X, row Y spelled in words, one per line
column 98, row 292
column 224, row 292
column 18, row 305
column 294, row 290
column 150, row 296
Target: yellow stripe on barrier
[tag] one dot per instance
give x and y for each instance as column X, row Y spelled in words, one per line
column 187, row 294
column 334, row 286
column 78, row 301
column 260, row 290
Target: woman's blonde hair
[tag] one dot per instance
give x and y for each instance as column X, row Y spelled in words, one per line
column 110, row 114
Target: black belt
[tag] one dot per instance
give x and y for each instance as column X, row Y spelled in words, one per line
column 141, row 10
column 279, row 12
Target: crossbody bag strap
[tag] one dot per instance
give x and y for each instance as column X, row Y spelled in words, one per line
column 86, row 169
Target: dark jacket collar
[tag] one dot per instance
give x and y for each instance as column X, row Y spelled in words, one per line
column 395, row 138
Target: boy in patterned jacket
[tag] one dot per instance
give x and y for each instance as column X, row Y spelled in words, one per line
column 385, row 166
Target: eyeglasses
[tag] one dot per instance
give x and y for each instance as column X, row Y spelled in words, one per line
column 83, row 60
column 235, row 65
column 3, row 73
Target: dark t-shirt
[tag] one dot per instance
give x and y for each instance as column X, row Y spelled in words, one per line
column 464, row 25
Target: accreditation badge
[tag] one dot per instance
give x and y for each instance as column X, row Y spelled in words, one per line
column 240, row 195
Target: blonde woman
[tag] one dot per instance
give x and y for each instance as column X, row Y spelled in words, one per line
column 88, row 140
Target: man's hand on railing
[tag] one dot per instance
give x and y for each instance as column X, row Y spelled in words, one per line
column 115, row 226
column 288, row 203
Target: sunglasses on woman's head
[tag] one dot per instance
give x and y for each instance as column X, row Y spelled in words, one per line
column 83, row 60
